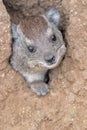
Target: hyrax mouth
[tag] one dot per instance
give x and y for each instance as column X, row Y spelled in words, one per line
column 50, row 59
column 53, row 61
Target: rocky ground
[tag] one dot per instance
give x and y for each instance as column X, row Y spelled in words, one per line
column 65, row 107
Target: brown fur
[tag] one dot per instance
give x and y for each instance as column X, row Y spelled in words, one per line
column 34, row 27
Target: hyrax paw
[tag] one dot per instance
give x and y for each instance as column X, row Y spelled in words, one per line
column 40, row 88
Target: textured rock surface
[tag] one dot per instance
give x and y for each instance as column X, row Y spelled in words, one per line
column 28, row 8
column 65, row 107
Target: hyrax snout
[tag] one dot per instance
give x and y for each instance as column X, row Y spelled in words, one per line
column 38, row 47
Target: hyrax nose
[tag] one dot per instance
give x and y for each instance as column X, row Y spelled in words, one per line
column 50, row 59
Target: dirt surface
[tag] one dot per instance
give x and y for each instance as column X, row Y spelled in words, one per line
column 65, row 107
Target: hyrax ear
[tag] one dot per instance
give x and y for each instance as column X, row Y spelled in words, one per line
column 16, row 31
column 53, row 16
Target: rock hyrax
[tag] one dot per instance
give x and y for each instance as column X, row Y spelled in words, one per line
column 38, row 47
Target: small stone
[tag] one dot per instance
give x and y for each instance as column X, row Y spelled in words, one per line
column 84, row 74
column 75, row 13
column 70, row 76
column 71, row 98
column 77, row 87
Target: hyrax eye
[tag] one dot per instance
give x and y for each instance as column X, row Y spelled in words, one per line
column 31, row 49
column 53, row 38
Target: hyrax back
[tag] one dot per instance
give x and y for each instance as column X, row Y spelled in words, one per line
column 38, row 46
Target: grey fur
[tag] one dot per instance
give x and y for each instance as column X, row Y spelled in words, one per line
column 53, row 16
column 32, row 66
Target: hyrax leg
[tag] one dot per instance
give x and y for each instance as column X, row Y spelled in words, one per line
column 39, row 87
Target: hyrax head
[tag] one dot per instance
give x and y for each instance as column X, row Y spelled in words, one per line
column 39, row 40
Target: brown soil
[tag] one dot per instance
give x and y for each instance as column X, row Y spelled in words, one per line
column 65, row 107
